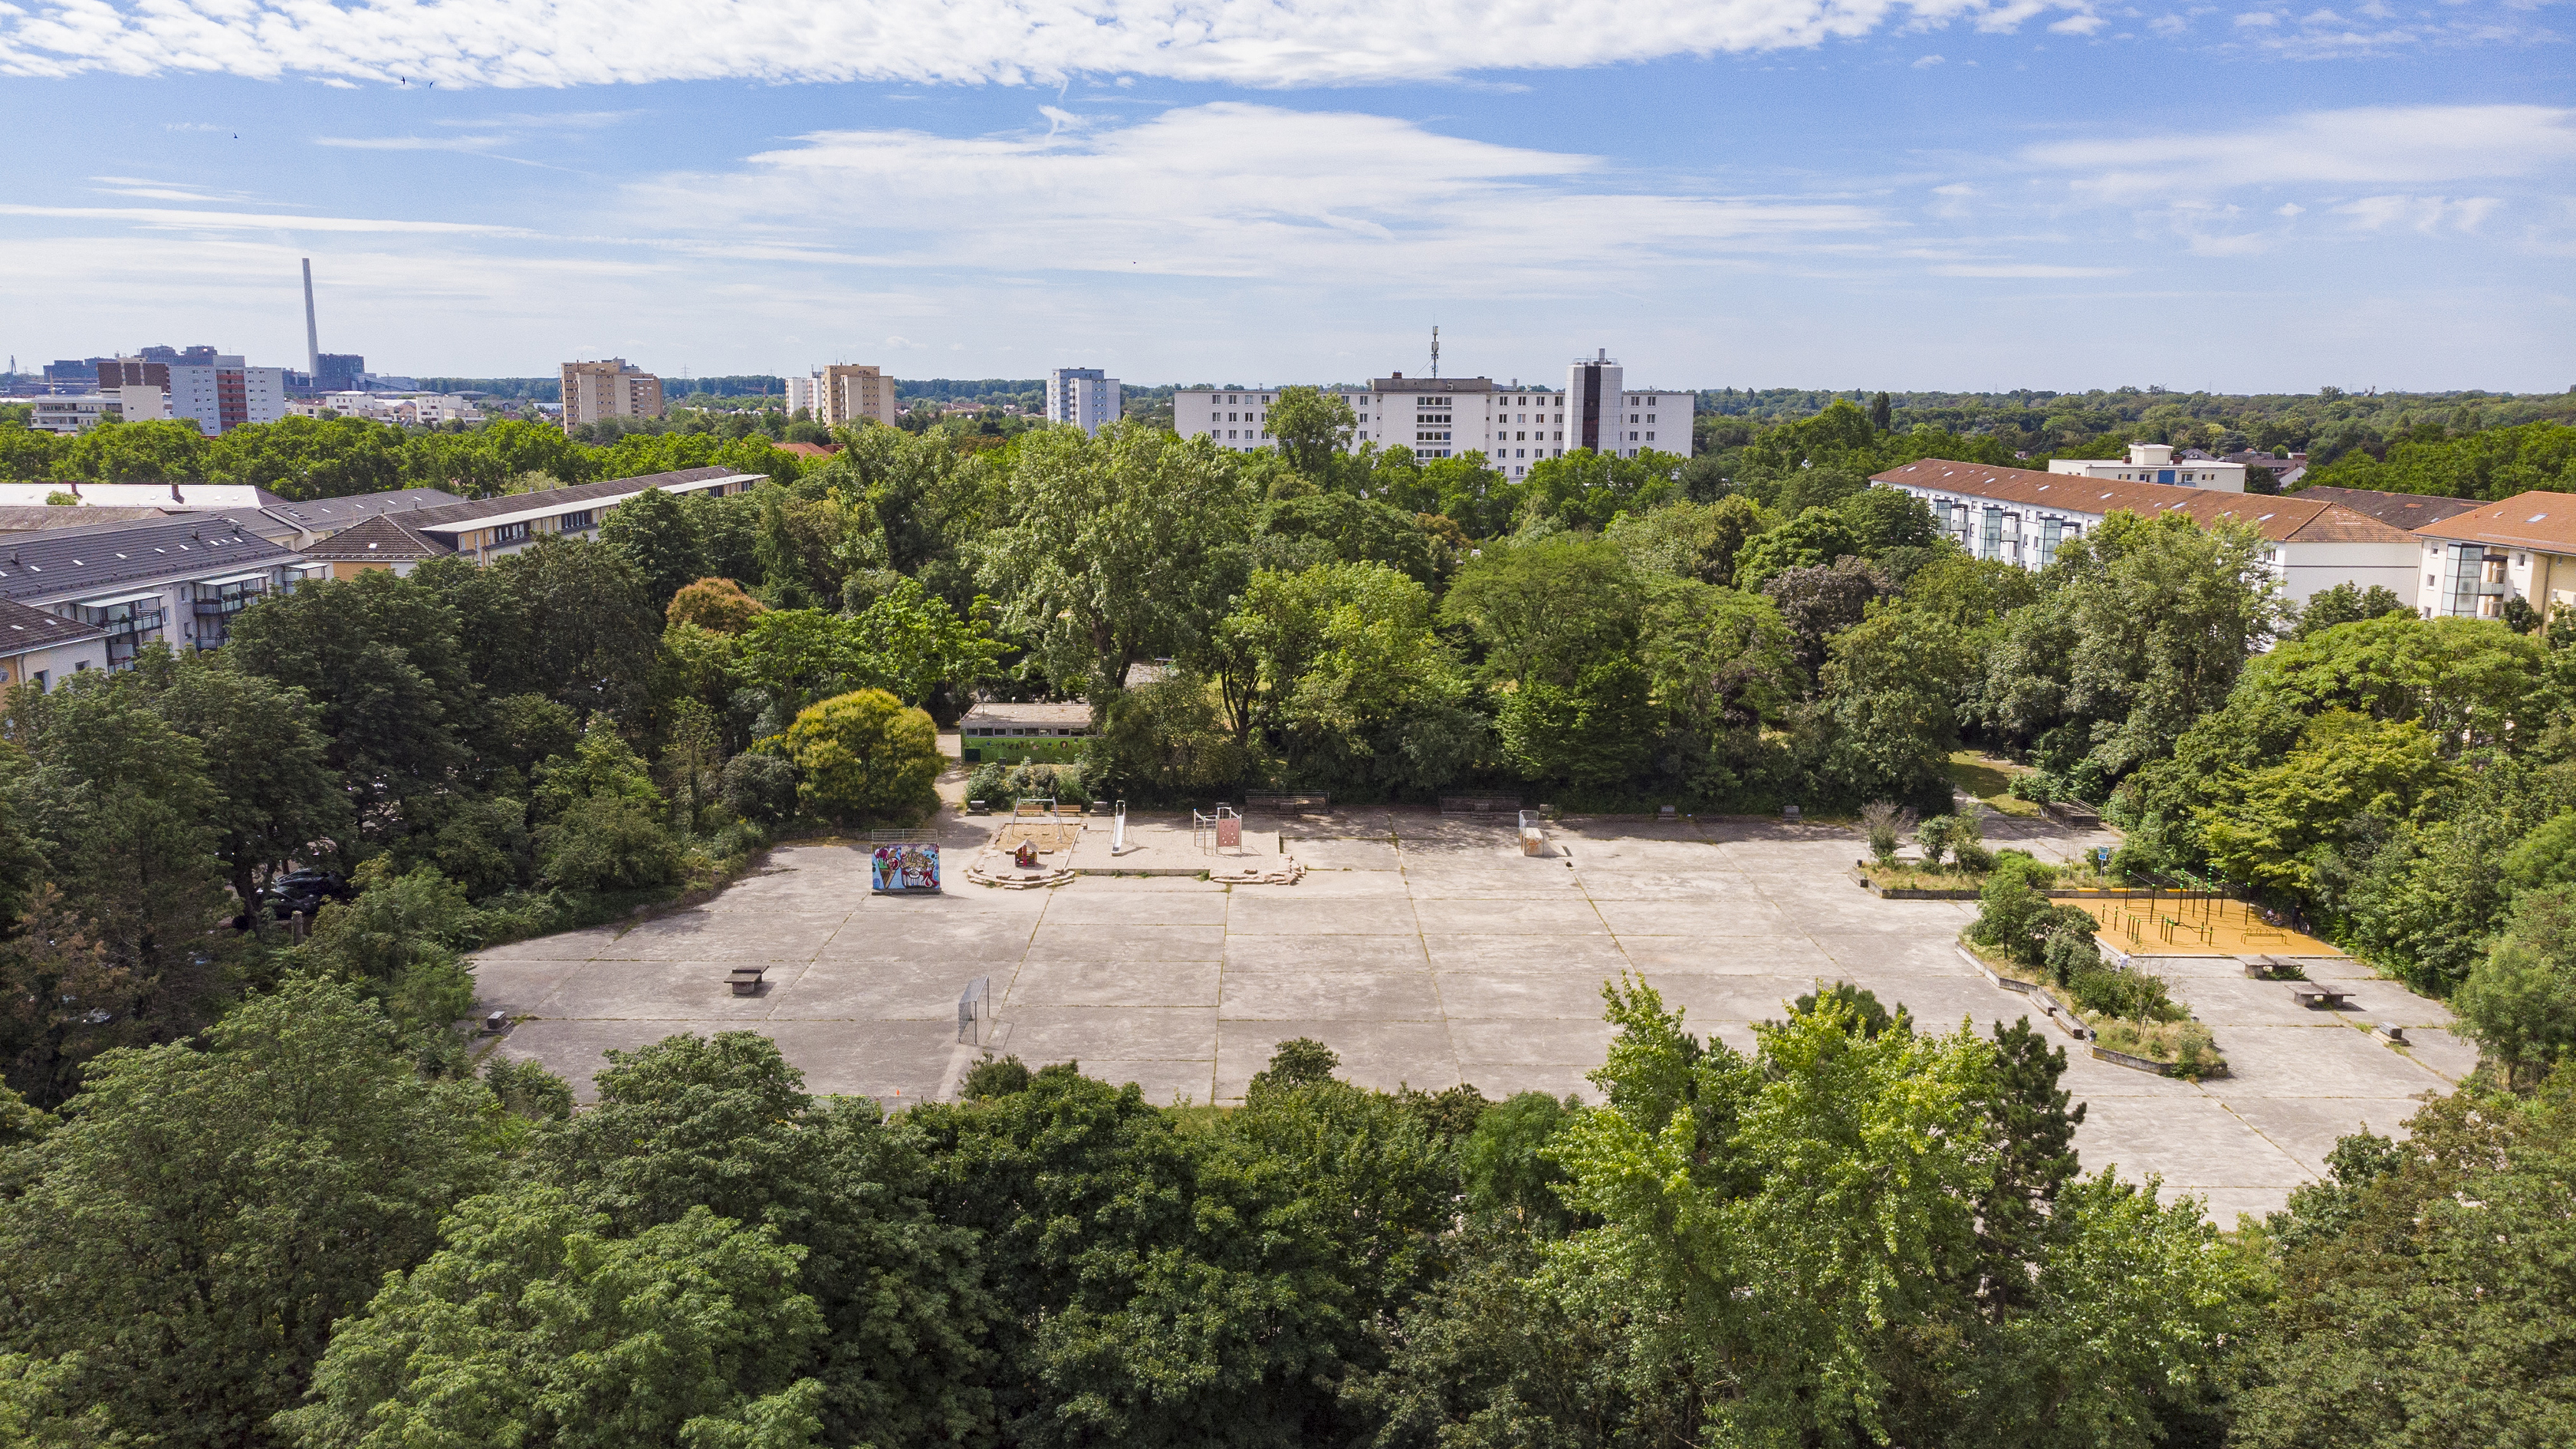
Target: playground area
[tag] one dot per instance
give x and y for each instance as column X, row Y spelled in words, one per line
column 2193, row 923
column 1430, row 950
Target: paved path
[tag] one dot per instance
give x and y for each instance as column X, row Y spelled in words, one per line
column 1429, row 952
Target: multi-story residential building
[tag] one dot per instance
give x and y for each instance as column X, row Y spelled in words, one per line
column 408, row 410
column 1083, row 396
column 484, row 529
column 38, row 648
column 1605, row 415
column 614, row 388
column 178, row 579
column 849, row 393
column 74, row 412
column 1514, row 427
column 224, row 394
column 2022, row 516
column 2156, row 463
column 2474, row 561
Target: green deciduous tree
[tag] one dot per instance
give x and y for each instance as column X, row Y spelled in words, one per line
column 864, row 753
column 1122, row 546
column 208, row 1210
column 532, row 1325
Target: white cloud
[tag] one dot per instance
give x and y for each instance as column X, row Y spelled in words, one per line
column 172, row 219
column 413, row 143
column 2289, row 208
column 2078, row 25
column 1927, row 62
column 2425, row 214
column 2393, row 145
column 1298, row 193
column 2258, row 19
column 1240, row 42
column 2025, row 270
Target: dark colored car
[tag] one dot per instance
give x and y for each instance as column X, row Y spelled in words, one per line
column 305, row 890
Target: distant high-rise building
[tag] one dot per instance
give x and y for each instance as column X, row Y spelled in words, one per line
column 117, row 372
column 614, row 388
column 1512, row 427
column 339, row 372
column 1083, row 396
column 224, row 393
column 839, row 395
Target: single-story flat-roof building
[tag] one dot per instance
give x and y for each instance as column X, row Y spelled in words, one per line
column 484, row 529
column 2473, row 561
column 2022, row 516
column 995, row 730
column 196, row 497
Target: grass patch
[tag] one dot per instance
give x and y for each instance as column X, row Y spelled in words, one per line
column 1989, row 781
column 1914, row 876
column 2186, row 1046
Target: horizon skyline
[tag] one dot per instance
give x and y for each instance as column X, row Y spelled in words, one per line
column 1952, row 195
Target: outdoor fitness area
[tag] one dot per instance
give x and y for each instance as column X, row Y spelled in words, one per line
column 1431, row 949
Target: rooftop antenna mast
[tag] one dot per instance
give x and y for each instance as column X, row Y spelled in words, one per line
column 1435, row 349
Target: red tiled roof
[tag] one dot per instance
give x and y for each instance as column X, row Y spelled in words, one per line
column 2281, row 519
column 2541, row 520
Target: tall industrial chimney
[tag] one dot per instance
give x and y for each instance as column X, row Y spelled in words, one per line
column 312, row 337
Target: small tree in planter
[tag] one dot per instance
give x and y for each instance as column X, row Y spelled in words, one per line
column 1933, row 836
column 1884, row 823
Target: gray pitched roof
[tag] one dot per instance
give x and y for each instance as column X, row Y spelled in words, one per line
column 384, row 538
column 89, row 561
column 23, row 628
column 454, row 516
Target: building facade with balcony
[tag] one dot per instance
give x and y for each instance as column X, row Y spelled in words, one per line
column 610, row 388
column 484, row 529
column 1514, row 427
column 2522, row 548
column 178, row 579
column 2023, row 517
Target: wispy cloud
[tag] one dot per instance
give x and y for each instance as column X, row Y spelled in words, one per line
column 1300, row 191
column 1262, row 43
column 2375, row 146
column 172, row 219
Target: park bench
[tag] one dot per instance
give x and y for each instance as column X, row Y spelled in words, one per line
column 745, row 980
column 1480, row 804
column 2311, row 995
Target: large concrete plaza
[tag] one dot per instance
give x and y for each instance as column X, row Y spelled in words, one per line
column 1430, row 951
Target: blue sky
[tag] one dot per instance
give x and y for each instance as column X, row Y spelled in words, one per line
column 1946, row 194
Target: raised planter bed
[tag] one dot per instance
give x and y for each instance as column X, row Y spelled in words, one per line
column 1986, row 969
column 2102, row 1053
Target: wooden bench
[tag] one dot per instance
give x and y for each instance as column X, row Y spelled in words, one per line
column 2311, row 995
column 745, row 980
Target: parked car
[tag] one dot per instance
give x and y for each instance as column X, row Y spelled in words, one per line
column 305, row 890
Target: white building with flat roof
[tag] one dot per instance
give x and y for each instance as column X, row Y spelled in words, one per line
column 2156, row 463
column 1514, row 427
column 1083, row 396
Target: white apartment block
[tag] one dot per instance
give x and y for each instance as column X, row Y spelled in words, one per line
column 1514, row 427
column 1083, row 396
column 421, row 410
column 2156, row 463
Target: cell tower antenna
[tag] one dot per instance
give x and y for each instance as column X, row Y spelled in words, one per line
column 1435, row 349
